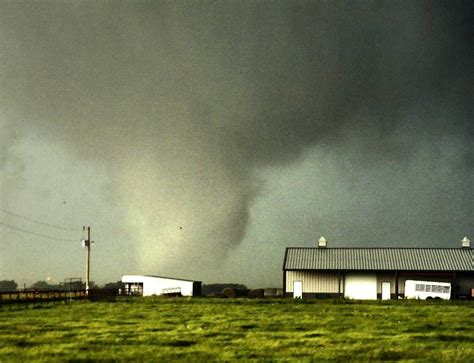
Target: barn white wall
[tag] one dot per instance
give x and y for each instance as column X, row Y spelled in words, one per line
column 326, row 282
column 155, row 286
column 313, row 282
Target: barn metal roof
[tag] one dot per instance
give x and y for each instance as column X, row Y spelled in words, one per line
column 413, row 259
column 161, row 277
column 172, row 278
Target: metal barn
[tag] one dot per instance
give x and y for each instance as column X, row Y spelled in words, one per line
column 374, row 273
column 147, row 285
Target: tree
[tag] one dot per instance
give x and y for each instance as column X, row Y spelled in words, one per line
column 8, row 285
column 43, row 286
column 113, row 285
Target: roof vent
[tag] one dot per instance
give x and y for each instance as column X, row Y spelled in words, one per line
column 322, row 242
column 466, row 243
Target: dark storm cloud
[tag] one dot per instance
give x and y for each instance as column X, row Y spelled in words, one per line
column 182, row 102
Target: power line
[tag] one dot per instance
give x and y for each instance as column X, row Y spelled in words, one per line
column 37, row 234
column 39, row 222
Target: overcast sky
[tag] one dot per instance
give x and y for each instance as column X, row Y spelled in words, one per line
column 198, row 139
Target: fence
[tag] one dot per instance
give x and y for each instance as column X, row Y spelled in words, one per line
column 20, row 298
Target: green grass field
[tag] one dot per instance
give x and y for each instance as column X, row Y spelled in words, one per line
column 162, row 329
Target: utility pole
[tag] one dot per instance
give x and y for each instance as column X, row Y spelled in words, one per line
column 87, row 244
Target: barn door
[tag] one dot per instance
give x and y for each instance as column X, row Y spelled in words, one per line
column 386, row 290
column 297, row 289
column 360, row 286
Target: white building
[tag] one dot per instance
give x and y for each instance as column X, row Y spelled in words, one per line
column 375, row 273
column 147, row 285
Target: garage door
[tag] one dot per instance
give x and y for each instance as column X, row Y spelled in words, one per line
column 360, row 286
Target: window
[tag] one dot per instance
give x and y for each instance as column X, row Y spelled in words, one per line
column 420, row 287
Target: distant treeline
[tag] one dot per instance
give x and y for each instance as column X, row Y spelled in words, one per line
column 11, row 285
column 8, row 285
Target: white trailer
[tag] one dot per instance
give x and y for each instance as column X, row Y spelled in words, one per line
column 427, row 290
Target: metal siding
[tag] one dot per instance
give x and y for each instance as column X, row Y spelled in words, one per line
column 313, row 281
column 415, row 259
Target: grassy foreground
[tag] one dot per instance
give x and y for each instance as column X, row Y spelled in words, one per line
column 161, row 329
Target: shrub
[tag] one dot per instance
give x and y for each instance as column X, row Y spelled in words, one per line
column 216, row 289
column 256, row 293
column 241, row 292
